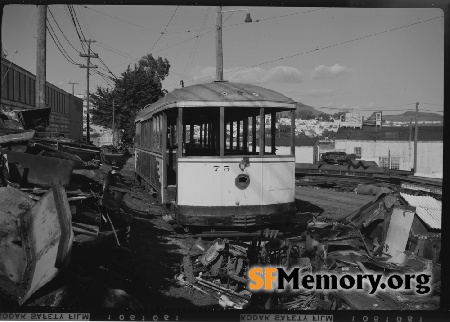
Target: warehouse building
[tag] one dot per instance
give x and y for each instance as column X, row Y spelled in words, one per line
column 18, row 93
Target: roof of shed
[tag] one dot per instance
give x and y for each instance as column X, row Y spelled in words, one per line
column 391, row 133
column 427, row 208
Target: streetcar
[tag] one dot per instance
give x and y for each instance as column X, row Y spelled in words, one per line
column 209, row 150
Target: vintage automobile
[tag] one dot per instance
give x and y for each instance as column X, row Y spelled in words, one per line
column 336, row 157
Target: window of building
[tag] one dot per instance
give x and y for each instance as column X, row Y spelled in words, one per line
column 383, row 162
column 358, row 150
column 395, row 163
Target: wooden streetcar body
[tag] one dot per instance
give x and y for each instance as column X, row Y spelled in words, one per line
column 220, row 174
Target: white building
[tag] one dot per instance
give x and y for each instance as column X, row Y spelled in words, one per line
column 306, row 149
column 393, row 147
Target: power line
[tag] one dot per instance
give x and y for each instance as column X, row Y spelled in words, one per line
column 432, row 104
column 131, row 23
column 162, row 33
column 70, row 8
column 101, row 60
column 76, row 19
column 60, row 29
column 329, row 46
column 58, row 44
column 84, row 22
column 194, row 49
column 116, row 51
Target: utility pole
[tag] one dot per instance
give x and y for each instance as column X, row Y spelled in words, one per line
column 219, row 48
column 113, row 127
column 416, row 130
column 88, row 66
column 72, row 86
column 41, row 56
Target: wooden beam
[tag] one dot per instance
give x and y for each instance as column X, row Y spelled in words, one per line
column 262, row 127
column 293, row 132
column 231, row 134
column 184, row 132
column 165, row 162
column 273, row 120
column 209, row 135
column 254, row 134
column 245, row 134
column 238, row 134
column 222, row 132
column 65, row 222
column 180, row 132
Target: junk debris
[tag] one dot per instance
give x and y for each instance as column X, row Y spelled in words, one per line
column 36, row 240
column 56, row 196
column 396, row 233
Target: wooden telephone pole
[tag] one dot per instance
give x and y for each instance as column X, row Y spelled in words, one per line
column 88, row 66
column 219, row 48
column 41, row 56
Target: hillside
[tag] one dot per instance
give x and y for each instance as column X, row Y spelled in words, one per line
column 410, row 115
column 301, row 108
column 303, row 111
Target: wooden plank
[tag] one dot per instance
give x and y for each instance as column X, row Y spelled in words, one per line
column 65, row 222
column 398, row 231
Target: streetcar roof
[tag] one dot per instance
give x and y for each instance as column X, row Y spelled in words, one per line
column 219, row 94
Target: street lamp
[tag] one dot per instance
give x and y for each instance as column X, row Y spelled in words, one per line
column 219, row 48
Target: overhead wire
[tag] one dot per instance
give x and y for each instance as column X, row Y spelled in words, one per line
column 165, row 28
column 76, row 20
column 57, row 24
column 84, row 21
column 327, row 47
column 76, row 27
column 58, row 43
column 195, row 47
column 131, row 23
column 431, row 104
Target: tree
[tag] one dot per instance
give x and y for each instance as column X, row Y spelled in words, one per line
column 136, row 88
column 338, row 115
column 325, row 117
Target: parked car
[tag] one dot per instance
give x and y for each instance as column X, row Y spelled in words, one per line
column 336, row 157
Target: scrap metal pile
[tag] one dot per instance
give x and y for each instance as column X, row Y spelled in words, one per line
column 55, row 194
column 389, row 236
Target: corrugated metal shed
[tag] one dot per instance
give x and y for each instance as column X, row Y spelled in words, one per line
column 391, row 133
column 427, row 208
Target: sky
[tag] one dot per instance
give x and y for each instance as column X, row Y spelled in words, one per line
column 333, row 59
